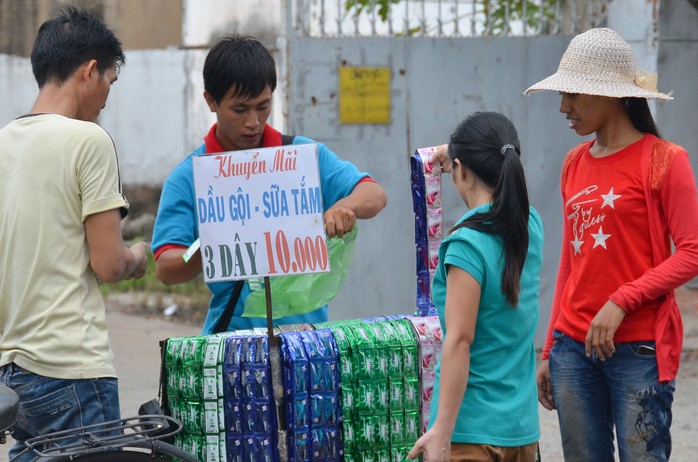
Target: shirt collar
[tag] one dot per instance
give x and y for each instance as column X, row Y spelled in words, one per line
column 270, row 137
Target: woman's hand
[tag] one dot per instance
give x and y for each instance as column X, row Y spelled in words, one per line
column 602, row 329
column 436, row 447
column 545, row 389
column 441, row 157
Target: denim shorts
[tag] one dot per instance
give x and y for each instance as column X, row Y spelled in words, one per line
column 594, row 397
column 49, row 405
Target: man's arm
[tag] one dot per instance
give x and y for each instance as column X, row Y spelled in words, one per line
column 172, row 269
column 110, row 259
column 365, row 201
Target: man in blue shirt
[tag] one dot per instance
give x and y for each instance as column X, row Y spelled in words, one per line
column 239, row 79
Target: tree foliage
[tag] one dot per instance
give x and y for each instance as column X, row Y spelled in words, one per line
column 369, row 6
column 498, row 14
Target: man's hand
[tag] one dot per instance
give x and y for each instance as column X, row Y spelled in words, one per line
column 545, row 389
column 602, row 329
column 140, row 253
column 339, row 221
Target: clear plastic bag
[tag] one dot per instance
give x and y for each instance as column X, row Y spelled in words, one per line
column 303, row 293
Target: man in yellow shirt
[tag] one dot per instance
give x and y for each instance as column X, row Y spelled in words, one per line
column 61, row 203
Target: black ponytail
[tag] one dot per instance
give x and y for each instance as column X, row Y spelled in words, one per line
column 487, row 143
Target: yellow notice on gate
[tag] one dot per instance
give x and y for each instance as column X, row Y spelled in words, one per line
column 364, row 95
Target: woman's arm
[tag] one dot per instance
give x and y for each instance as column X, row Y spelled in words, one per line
column 679, row 203
column 462, row 304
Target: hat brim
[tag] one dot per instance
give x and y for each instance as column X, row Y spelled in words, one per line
column 568, row 82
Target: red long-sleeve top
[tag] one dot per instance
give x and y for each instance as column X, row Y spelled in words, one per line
column 672, row 212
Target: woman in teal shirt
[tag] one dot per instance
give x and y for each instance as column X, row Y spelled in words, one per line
column 486, row 290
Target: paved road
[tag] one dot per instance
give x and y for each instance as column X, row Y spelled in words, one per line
column 137, row 355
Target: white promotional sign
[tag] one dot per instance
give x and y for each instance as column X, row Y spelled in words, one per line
column 260, row 213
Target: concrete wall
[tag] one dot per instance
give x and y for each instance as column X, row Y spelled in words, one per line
column 150, row 24
column 148, row 114
column 206, row 20
column 19, row 22
column 139, row 25
column 435, row 84
column 17, row 87
column 677, row 66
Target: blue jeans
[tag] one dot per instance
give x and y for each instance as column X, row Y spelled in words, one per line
column 593, row 396
column 49, row 405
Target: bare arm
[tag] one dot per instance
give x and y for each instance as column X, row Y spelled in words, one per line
column 545, row 388
column 110, row 259
column 462, row 305
column 172, row 269
column 365, row 201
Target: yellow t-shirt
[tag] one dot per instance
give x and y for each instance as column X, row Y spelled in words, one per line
column 54, row 173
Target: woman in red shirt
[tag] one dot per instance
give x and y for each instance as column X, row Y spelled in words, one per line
column 615, row 333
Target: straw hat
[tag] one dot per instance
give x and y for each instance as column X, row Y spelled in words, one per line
column 599, row 62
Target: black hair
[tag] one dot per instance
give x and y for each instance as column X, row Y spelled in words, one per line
column 238, row 62
column 641, row 116
column 487, row 143
column 66, row 42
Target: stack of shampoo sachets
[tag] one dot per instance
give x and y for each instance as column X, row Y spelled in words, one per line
column 195, row 394
column 355, row 390
column 311, row 390
column 380, row 388
column 428, row 231
column 430, row 339
column 250, row 411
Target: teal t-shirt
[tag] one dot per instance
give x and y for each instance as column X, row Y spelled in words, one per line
column 500, row 406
